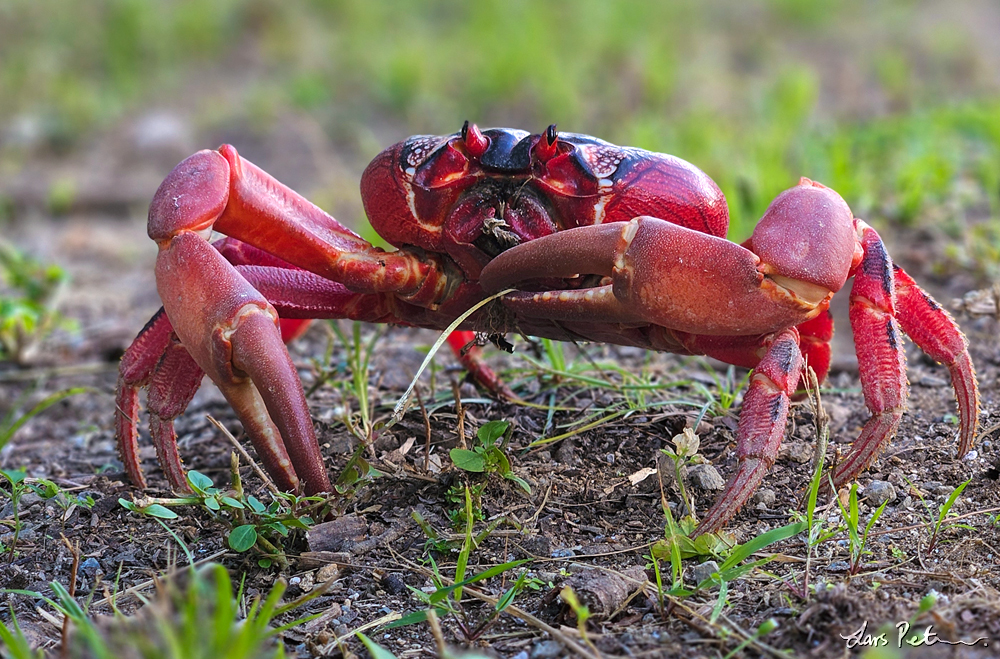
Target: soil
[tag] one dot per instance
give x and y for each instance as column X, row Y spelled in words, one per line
column 583, row 520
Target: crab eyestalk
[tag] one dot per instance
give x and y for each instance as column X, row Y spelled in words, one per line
column 475, row 142
column 545, row 148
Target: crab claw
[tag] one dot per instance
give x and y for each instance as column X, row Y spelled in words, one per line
column 660, row 273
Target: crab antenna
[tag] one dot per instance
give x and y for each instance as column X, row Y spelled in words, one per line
column 475, row 142
column 545, row 148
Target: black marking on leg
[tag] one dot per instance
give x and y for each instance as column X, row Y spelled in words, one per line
column 777, row 406
column 878, row 264
column 151, row 322
column 890, row 331
column 931, row 302
column 784, row 355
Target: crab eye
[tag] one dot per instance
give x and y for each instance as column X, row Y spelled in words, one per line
column 545, row 147
column 475, row 142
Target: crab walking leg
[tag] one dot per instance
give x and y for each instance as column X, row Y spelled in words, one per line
column 761, row 426
column 881, row 359
column 936, row 333
column 814, row 342
column 470, row 356
column 153, row 355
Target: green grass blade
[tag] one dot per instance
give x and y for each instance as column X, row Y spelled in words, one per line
column 8, row 432
column 741, row 552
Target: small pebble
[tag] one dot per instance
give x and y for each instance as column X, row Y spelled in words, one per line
column 699, row 573
column 547, row 650
column 705, row 477
column 563, row 553
column 765, row 497
column 838, row 566
column 327, row 572
column 800, row 452
column 878, row 492
column 393, row 583
column 90, row 567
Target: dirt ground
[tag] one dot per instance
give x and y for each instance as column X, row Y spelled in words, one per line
column 583, row 513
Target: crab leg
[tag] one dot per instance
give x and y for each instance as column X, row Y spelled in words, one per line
column 936, row 333
column 761, row 426
column 814, row 342
column 157, row 361
column 881, row 359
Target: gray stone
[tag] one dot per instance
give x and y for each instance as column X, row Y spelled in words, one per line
column 766, row 496
column 800, row 452
column 838, row 566
column 705, row 477
column 839, row 414
column 90, row 567
column 699, row 573
column 878, row 492
column 547, row 650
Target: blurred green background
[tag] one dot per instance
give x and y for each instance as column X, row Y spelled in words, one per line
column 894, row 104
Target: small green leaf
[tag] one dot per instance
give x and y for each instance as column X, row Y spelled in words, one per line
column 232, row 503
column 468, row 460
column 242, row 538
column 264, row 562
column 497, row 457
column 520, row 481
column 128, row 505
column 255, row 504
column 156, row 510
column 198, row 481
column 279, row 528
column 45, row 488
column 212, row 504
column 491, row 431
column 15, row 476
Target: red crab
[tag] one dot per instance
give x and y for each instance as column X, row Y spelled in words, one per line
column 604, row 243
